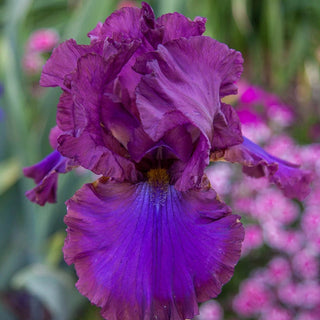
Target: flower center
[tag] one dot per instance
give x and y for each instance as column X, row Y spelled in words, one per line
column 158, row 178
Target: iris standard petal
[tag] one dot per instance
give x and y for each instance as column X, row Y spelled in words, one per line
column 63, row 61
column 256, row 162
column 183, row 82
column 176, row 25
column 148, row 251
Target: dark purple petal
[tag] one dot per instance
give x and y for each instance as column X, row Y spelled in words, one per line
column 45, row 174
column 55, row 132
column 293, row 181
column 91, row 153
column 188, row 174
column 121, row 24
column 89, row 143
column 227, row 128
column 183, row 82
column 147, row 251
column 176, row 25
column 70, row 117
column 63, row 61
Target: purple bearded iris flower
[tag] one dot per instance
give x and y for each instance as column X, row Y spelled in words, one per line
column 141, row 106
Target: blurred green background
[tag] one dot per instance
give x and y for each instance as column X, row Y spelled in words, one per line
column 280, row 42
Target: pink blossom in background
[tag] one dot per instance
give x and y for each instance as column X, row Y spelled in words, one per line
column 307, row 315
column 219, row 176
column 280, row 115
column 276, row 313
column 43, row 40
column 252, row 298
column 269, row 105
column 32, row 63
column 278, row 270
column 305, row 264
column 210, row 310
column 253, row 127
column 40, row 41
column 284, row 146
column 290, row 281
column 289, row 294
column 249, row 94
column 272, row 205
column 253, row 238
column 126, row 3
column 309, row 294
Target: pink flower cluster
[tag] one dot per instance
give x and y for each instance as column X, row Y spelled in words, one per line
column 39, row 42
column 288, row 288
column 261, row 113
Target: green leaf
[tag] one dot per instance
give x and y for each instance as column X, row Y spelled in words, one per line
column 54, row 288
column 10, row 172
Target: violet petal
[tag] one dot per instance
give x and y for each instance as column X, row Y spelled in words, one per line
column 183, row 82
column 146, row 252
column 256, row 162
column 45, row 174
column 176, row 25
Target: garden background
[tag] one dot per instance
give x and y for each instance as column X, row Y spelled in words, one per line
column 279, row 105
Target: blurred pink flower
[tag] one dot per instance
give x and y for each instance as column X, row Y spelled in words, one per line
column 305, row 264
column 210, row 310
column 278, row 270
column 253, row 238
column 272, row 205
column 289, row 294
column 43, row 40
column 309, row 294
column 252, row 298
column 126, row 3
column 253, row 127
column 219, row 176
column 32, row 63
column 276, row 313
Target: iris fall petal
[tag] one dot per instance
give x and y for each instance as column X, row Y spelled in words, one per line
column 148, row 251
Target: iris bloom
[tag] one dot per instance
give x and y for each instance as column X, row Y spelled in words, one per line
column 141, row 106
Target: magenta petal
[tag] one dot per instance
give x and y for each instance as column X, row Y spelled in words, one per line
column 188, row 174
column 62, row 61
column 70, row 117
column 227, row 129
column 45, row 174
column 147, row 253
column 183, row 82
column 293, row 181
column 88, row 142
column 123, row 23
column 89, row 153
column 53, row 137
column 176, row 25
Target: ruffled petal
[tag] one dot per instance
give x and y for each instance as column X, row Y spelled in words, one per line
column 87, row 141
column 45, row 174
column 123, row 23
column 148, row 251
column 63, row 61
column 227, row 128
column 183, row 82
column 86, row 151
column 176, row 25
column 256, row 162
column 188, row 174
